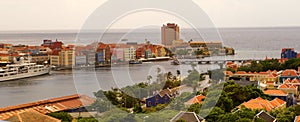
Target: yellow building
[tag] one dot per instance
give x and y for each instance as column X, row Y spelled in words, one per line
column 65, row 58
column 4, row 58
column 55, row 60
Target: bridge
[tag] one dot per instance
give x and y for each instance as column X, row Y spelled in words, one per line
column 217, row 61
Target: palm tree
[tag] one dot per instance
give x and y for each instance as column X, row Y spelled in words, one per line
column 158, row 75
column 149, row 77
column 169, row 75
column 178, row 74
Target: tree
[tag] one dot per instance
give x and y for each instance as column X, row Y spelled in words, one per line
column 63, row 116
column 195, row 108
column 149, row 77
column 137, row 108
column 89, row 119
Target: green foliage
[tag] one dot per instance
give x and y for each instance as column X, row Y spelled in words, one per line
column 63, row 116
column 195, row 108
column 137, row 108
column 271, row 65
column 193, row 79
column 286, row 114
column 234, row 95
column 89, row 119
column 181, row 52
column 242, row 115
column 230, row 69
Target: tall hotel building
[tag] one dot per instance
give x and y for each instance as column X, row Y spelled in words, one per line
column 169, row 33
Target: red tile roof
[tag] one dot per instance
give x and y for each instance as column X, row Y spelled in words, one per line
column 260, row 103
column 196, row 99
column 275, row 93
column 48, row 106
column 289, row 72
column 241, row 72
column 31, row 116
column 287, row 86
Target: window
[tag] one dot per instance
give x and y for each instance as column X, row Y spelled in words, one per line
column 149, row 103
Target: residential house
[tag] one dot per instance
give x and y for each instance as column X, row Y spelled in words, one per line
column 260, row 103
column 289, row 88
column 265, row 116
column 277, row 94
column 187, row 117
column 162, row 97
column 289, row 73
column 197, row 99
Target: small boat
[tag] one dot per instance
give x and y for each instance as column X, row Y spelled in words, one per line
column 135, row 62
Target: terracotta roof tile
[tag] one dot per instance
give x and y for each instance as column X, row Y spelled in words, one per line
column 241, row 72
column 48, row 106
column 260, row 103
column 289, row 72
column 196, row 99
column 275, row 92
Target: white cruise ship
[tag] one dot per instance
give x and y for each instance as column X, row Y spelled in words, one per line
column 22, row 70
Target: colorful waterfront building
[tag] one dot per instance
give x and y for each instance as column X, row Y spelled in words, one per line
column 63, row 58
column 129, row 53
column 103, row 54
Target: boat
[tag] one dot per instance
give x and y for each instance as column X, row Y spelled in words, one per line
column 22, row 70
column 175, row 62
column 135, row 62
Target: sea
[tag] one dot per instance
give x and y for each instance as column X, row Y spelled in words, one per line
column 249, row 43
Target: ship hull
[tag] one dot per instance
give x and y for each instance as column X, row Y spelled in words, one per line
column 24, row 75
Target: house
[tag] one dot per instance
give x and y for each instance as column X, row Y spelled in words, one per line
column 289, row 73
column 277, row 94
column 162, row 97
column 103, row 54
column 289, row 88
column 31, row 116
column 265, row 116
column 66, row 103
column 260, row 103
column 187, row 117
column 197, row 99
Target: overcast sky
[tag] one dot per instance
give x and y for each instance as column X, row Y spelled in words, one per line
column 71, row 14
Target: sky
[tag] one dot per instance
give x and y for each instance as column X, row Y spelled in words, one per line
column 71, row 14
